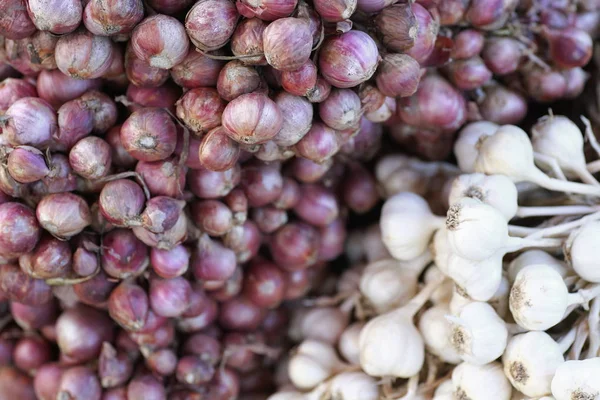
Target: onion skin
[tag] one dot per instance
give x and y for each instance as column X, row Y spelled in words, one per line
column 141, row 73
column 12, row 89
column 128, row 306
column 149, row 134
column 14, row 21
column 247, row 39
column 252, row 118
column 91, row 158
column 196, row 70
column 287, row 43
column 31, row 121
column 301, row 81
column 267, row 10
column 63, row 214
column 109, row 17
column 201, row 109
column 57, row 88
column 82, row 55
column 161, row 41
column 125, row 255
column 56, row 16
column 217, row 151
column 20, row 232
column 27, row 164
column 15, row 384
column 50, row 259
column 19, row 287
column 236, row 79
column 397, row 27
column 210, row 23
column 79, row 383
column 348, row 59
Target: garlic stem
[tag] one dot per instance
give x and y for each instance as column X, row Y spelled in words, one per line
column 581, row 336
column 562, row 228
column 594, row 326
column 524, row 212
column 593, row 166
column 520, row 231
column 417, row 302
column 516, row 243
column 565, row 342
column 537, row 176
column 586, row 176
column 552, row 163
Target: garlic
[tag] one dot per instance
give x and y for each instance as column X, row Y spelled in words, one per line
column 373, row 243
column 499, row 301
column 478, row 334
column 530, row 361
column 539, row 297
column 287, row 395
column 352, row 386
column 577, row 380
column 465, row 146
column 397, row 173
column 440, row 249
column 580, row 251
column 480, row 382
column 535, row 256
column 350, row 279
column 390, row 344
column 407, row 225
column 558, row 138
column 325, row 324
column 348, row 343
column 477, row 231
column 436, row 332
column 459, row 300
column 480, row 280
column 445, row 391
column 496, row 190
column 509, row 152
column 387, row 284
column 443, row 294
column 313, row 363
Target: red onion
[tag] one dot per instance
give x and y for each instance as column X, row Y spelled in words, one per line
column 56, row 16
column 40, row 48
column 192, row 161
column 162, row 362
column 104, row 110
column 200, row 109
column 398, row 75
column 301, row 81
column 145, row 387
column 12, row 89
column 79, row 383
column 237, row 202
column 217, row 151
column 15, row 384
column 569, row 48
column 576, row 81
column 269, row 219
column 469, row 74
column 149, row 134
column 170, row 7
column 335, row 10
column 502, row 105
column 262, row 184
column 114, row 368
column 140, row 73
column 207, row 315
column 247, row 39
column 204, row 346
column 452, row 11
column 128, row 306
column 225, row 384
column 75, row 121
column 287, row 43
column 60, row 179
column 57, row 88
column 115, row 394
column 161, row 213
column 108, row 18
column 489, row 14
column 545, row 86
column 19, row 56
column 212, row 261
column 161, row 41
column 264, row 284
column 91, row 157
column 502, row 55
column 169, row 297
column 341, row 110
column 244, row 240
column 115, row 74
column 163, row 178
column 436, row 105
column 382, row 114
column 20, row 232
column 194, row 371
column 267, row 10
column 29, row 121
column 83, row 55
column 240, row 314
column 20, row 287
column 85, row 262
column 119, row 156
column 295, row 246
column 359, row 190
column 163, row 96
column 212, row 217
column 427, row 30
column 196, row 70
column 365, row 144
column 81, row 331
column 165, row 240
column 239, row 355
column 307, row 171
column 317, row 205
column 297, row 116
column 319, row 144
column 162, row 336
column 290, row 194
column 113, row 207
column 348, row 59
column 124, row 255
column 297, row 284
column 210, row 23
column 252, row 118
column 170, row 263
column 236, row 79
column 50, row 259
column 33, row 317
column 14, row 21
column 208, row 184
column 31, row 353
column 47, row 380
column 320, row 92
column 467, row 44
column 396, row 25
column 333, row 238
column 27, row 164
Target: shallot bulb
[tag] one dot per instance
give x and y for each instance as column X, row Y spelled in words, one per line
column 201, row 109
column 14, row 21
column 210, row 23
column 397, row 26
column 161, row 41
column 29, row 121
column 91, row 157
column 83, row 55
column 21, row 232
column 287, row 43
column 27, row 164
column 63, row 214
column 107, row 18
column 56, row 16
column 247, row 39
column 149, row 134
column 252, row 118
column 398, row 75
column 335, row 10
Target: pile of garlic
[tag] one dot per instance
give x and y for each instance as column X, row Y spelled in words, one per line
column 484, row 303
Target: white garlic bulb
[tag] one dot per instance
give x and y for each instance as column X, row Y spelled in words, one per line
column 440, row 249
column 348, row 344
column 530, row 362
column 436, row 332
column 287, row 395
column 385, row 284
column 353, row 386
column 581, row 248
column 577, row 380
column 445, row 391
column 479, row 279
column 407, row 225
column 324, row 324
column 535, row 256
column 443, row 294
column 313, row 363
column 465, row 146
column 480, row 382
column 497, row 191
column 478, row 334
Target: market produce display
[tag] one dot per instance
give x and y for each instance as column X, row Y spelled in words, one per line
column 298, row 200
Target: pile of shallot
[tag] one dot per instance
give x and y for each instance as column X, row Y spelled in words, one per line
column 178, row 177
column 497, row 297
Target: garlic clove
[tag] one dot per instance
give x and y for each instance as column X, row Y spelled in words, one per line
column 478, row 279
column 386, row 285
column 535, row 256
column 480, row 382
column 576, row 379
column 465, row 146
column 348, row 344
column 580, row 251
column 436, row 332
column 353, row 386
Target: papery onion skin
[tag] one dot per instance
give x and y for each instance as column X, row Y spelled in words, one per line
column 161, row 41
column 252, row 118
column 20, row 232
column 210, row 23
column 108, row 18
column 56, row 16
column 287, row 43
column 83, row 55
